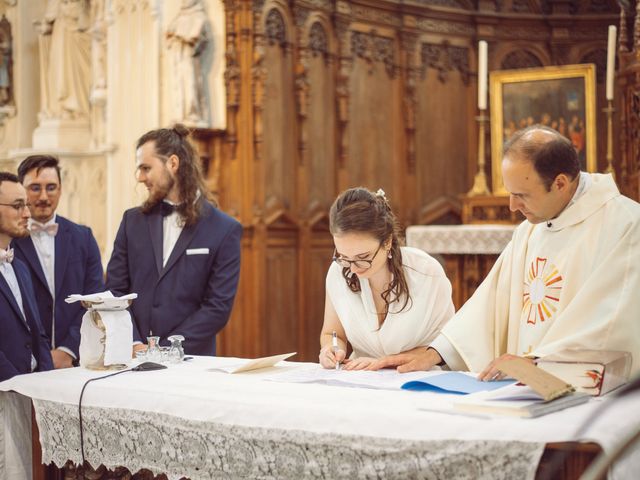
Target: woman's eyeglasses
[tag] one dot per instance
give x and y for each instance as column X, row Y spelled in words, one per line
column 359, row 264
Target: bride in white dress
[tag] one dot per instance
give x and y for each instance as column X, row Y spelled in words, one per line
column 381, row 298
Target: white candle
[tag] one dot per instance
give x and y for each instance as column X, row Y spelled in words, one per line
column 611, row 60
column 482, row 75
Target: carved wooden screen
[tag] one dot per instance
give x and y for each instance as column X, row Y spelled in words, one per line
column 374, row 112
column 318, row 160
column 443, row 99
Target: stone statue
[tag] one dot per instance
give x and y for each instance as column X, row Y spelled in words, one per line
column 187, row 39
column 65, row 59
column 98, row 33
column 5, row 62
column 98, row 95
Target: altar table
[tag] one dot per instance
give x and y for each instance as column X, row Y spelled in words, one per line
column 188, row 421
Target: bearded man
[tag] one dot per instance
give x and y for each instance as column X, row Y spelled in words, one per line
column 177, row 251
column 23, row 344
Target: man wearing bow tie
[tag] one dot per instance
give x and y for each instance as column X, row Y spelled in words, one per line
column 23, row 344
column 179, row 253
column 62, row 256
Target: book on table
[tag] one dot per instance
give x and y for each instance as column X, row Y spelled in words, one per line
column 516, row 400
column 538, row 393
column 595, row 372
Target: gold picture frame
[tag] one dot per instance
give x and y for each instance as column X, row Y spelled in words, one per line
column 561, row 97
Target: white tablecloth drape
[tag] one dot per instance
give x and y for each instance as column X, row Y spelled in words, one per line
column 188, row 421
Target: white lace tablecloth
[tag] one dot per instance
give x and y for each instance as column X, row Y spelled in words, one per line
column 460, row 239
column 188, row 421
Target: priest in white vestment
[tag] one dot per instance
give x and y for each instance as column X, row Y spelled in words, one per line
column 569, row 278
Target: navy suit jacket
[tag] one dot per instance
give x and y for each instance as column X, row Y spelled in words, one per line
column 77, row 270
column 21, row 337
column 193, row 294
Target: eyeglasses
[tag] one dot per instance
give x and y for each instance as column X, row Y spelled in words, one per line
column 50, row 188
column 17, row 206
column 359, row 264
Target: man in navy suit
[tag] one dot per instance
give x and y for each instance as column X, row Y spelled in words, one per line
column 23, row 345
column 177, row 251
column 62, row 256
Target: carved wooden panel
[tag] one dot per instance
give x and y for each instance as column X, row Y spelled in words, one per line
column 281, row 320
column 278, row 116
column 318, row 261
column 442, row 165
column 374, row 113
column 320, row 148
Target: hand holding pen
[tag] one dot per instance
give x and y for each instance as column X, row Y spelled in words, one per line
column 331, row 355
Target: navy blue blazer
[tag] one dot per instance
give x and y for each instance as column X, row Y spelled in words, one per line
column 77, row 269
column 21, row 337
column 193, row 294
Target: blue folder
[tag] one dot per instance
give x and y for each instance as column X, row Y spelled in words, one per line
column 454, row 383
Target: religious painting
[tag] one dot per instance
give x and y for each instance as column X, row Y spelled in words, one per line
column 561, row 97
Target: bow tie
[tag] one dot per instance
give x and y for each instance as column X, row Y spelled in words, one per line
column 166, row 209
column 6, row 255
column 50, row 229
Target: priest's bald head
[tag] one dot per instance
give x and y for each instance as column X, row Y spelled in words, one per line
column 540, row 170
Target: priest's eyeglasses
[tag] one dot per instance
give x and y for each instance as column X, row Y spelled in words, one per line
column 359, row 264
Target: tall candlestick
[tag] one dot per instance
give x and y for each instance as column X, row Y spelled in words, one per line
column 609, row 111
column 480, row 186
column 482, row 75
column 611, row 60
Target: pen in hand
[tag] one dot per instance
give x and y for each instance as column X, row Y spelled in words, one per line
column 334, row 347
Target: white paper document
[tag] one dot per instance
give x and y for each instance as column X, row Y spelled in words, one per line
column 387, row 379
column 244, row 365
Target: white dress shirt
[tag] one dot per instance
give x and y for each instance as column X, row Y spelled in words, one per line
column 10, row 276
column 171, row 230
column 45, row 245
column 45, row 248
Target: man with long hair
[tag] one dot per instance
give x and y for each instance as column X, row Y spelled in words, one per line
column 177, row 251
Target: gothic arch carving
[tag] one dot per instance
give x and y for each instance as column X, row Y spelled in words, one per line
column 275, row 28
column 319, row 34
column 276, row 24
column 518, row 59
column 318, row 40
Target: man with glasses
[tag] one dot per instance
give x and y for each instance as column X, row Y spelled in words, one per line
column 62, row 256
column 23, row 345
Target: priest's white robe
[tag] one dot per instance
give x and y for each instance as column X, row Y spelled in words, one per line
column 573, row 282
